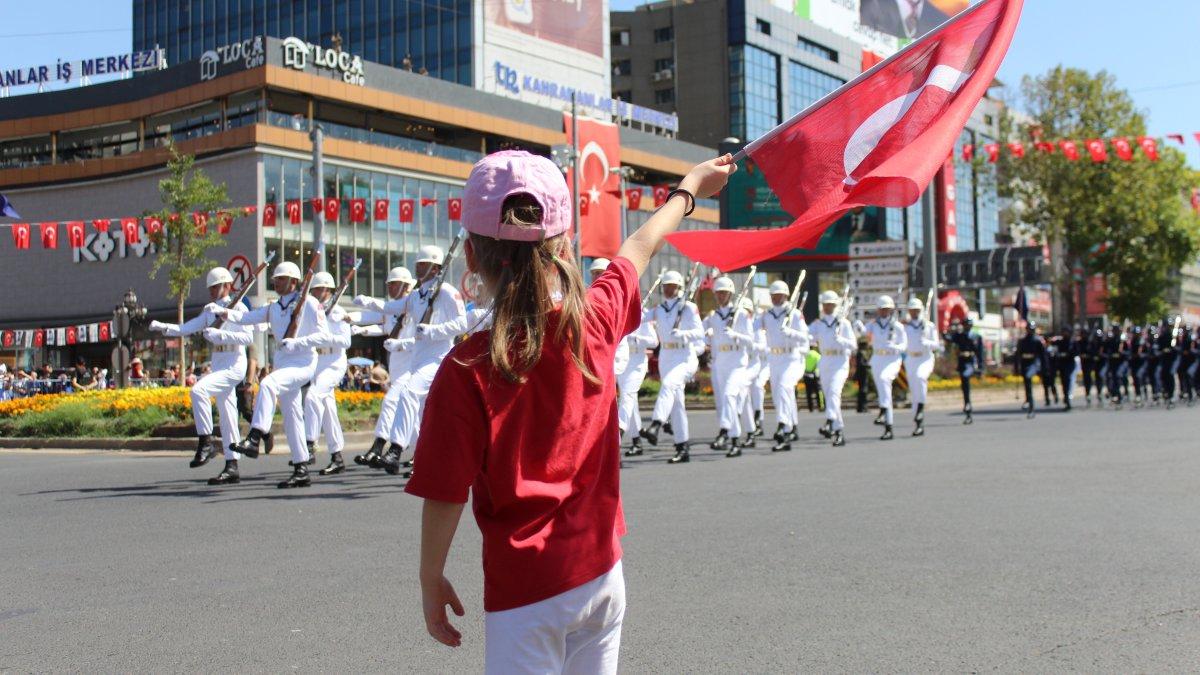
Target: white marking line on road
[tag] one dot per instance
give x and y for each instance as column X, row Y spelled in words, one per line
column 74, row 451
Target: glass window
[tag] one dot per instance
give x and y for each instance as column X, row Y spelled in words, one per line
column 622, row 67
column 663, row 96
column 664, row 64
column 964, row 195
column 754, row 91
column 763, row 27
column 814, row 48
column 665, row 34
column 20, row 152
column 620, row 38
column 807, row 86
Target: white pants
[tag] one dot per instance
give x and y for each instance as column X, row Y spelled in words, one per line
column 731, row 384
column 397, row 370
column 577, row 631
column 758, row 387
column 320, row 407
column 220, row 384
column 285, row 383
column 786, row 371
column 833, row 371
column 628, row 384
column 885, row 369
column 415, row 388
column 919, row 370
column 676, row 367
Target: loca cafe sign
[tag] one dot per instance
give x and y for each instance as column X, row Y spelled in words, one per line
column 300, row 55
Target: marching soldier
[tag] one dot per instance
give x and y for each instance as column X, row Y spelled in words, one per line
column 1028, row 362
column 888, row 341
column 295, row 364
column 834, row 337
column 1139, row 364
column 399, row 284
column 677, row 322
column 760, row 374
column 970, row 360
column 1168, row 360
column 730, row 335
column 1189, row 363
column 1088, row 357
column 1116, row 353
column 228, row 368
column 1050, row 370
column 1068, row 348
column 922, row 349
column 320, row 406
column 787, row 347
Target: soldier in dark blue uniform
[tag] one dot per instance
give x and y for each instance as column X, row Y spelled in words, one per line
column 1067, row 348
column 970, row 359
column 1049, row 371
column 1152, row 361
column 1088, row 358
column 1116, row 353
column 1029, row 361
column 1139, row 364
column 1100, row 374
column 1189, row 363
column 1168, row 359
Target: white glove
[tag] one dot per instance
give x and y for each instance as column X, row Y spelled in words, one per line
column 357, row 330
column 361, row 300
column 293, row 344
column 213, row 335
column 215, row 309
column 421, row 331
column 398, row 344
column 158, row 326
column 676, row 333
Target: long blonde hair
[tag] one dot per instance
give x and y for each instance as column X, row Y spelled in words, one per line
column 519, row 275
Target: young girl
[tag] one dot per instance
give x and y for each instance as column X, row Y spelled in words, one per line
column 525, row 415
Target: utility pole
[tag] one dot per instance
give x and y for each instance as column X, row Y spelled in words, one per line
column 575, row 176
column 317, row 135
column 929, row 251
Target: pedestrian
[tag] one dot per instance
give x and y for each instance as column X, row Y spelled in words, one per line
column 524, row 414
column 812, row 382
column 787, row 348
column 1028, row 362
column 677, row 323
column 889, row 341
column 730, row 336
column 921, row 352
column 320, row 405
column 834, row 337
column 399, row 283
column 81, row 377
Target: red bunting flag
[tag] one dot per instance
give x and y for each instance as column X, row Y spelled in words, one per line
column 200, row 218
column 76, row 229
column 268, row 215
column 633, row 197
column 1196, row 200
column 428, row 201
column 1044, row 147
column 332, row 208
column 101, row 224
column 1097, row 150
column 105, row 330
column 1149, row 147
column 1017, row 149
column 358, row 210
column 381, row 209
column 133, row 233
column 72, row 335
column 1197, row 135
column 1070, row 150
column 406, row 210
column 968, row 152
column 454, row 208
column 1178, row 138
column 49, row 235
column 583, row 205
column 39, row 337
column 993, row 152
column 292, row 207
column 154, row 225
column 7, row 339
column 225, row 222
column 318, row 206
column 660, row 195
column 247, row 210
column 1123, row 147
column 20, row 234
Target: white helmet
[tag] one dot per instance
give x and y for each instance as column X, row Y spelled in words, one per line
column 322, row 280
column 431, row 254
column 672, row 278
column 886, row 302
column 779, row 287
column 723, row 284
column 829, row 298
column 915, row 303
column 286, row 269
column 599, row 264
column 400, row 274
column 219, row 275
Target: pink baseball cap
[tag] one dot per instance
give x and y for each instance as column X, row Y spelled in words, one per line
column 510, row 172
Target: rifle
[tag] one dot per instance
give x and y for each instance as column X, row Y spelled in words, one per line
column 654, row 287
column 1175, row 331
column 220, row 321
column 796, row 294
column 302, row 295
column 691, row 285
column 737, row 303
column 441, row 274
column 341, row 290
column 847, row 303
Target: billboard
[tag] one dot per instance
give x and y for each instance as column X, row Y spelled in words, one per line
column 880, row 26
column 572, row 23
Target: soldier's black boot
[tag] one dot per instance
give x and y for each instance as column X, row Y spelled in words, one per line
column 651, row 433
column 681, row 454
column 838, row 439
column 391, row 460
column 336, row 465
column 372, row 454
column 668, row 429
column 758, row 430
column 967, row 410
column 887, row 433
column 783, row 445
column 248, row 446
column 748, row 442
column 779, row 435
column 721, row 442
column 879, row 418
column 204, row 451
column 312, row 452
column 228, row 475
column 298, row 479
column 826, row 429
column 919, row 429
column 268, row 443
column 635, row 448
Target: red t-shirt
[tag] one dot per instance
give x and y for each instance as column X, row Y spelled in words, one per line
column 540, row 457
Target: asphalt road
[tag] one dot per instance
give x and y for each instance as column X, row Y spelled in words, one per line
column 1062, row 543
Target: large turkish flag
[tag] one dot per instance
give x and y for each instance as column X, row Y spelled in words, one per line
column 600, row 222
column 878, row 141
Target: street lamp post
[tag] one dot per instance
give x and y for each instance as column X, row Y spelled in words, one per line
column 124, row 316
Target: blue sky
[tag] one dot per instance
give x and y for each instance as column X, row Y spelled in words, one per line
column 1151, row 47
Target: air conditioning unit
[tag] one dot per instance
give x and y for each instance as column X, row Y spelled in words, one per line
column 667, row 73
column 657, row 77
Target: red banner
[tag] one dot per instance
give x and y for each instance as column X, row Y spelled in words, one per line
column 75, row 233
column 599, row 151
column 947, row 215
column 660, row 195
column 20, row 234
column 101, row 224
column 381, row 209
column 332, row 208
column 49, row 235
column 406, row 210
column 358, row 210
column 295, row 213
column 268, row 215
column 633, row 196
column 454, row 208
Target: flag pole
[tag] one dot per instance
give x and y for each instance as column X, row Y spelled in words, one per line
column 753, row 145
column 575, row 178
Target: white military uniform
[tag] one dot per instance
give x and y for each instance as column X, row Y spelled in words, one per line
column 888, row 344
column 731, row 342
column 632, row 372
column 787, row 345
column 759, row 376
column 228, row 369
column 923, row 346
column 835, row 340
column 320, row 407
column 397, row 367
column 677, row 362
column 292, row 368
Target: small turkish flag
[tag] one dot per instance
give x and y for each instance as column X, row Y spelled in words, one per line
column 20, row 233
column 318, row 206
column 101, row 224
column 154, row 225
column 406, row 210
column 381, row 209
column 660, row 195
column 428, row 201
column 268, row 215
column 75, row 233
column 1123, row 148
column 332, row 208
column 1097, row 150
column 49, row 235
column 1149, row 147
column 1178, row 138
column 200, row 218
column 1046, row 147
column 225, row 222
column 454, row 208
column 8, row 338
column 358, row 210
column 292, row 206
column 633, row 197
column 133, row 233
column 39, row 337
column 105, row 330
column 1196, row 200
column 1070, row 149
column 583, row 205
column 968, row 152
column 72, row 335
column 993, row 152
column 1017, row 149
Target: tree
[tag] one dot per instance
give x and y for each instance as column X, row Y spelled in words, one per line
column 183, row 243
column 1127, row 221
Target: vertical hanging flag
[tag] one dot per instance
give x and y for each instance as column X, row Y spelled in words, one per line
column 633, row 197
column 72, row 334
column 39, row 337
column 105, row 331
column 1197, row 135
column 1123, row 148
column 428, row 201
column 49, row 235
column 968, row 152
column 154, row 226
column 1017, row 149
column 1149, row 147
column 358, row 210
column 268, row 215
column 51, row 337
column 7, row 338
column 200, row 219
column 993, row 152
column 20, row 234
column 132, row 232
column 583, row 205
column 318, row 206
column 292, row 207
column 381, row 209
column 332, row 208
column 101, row 224
column 1097, row 150
column 1196, row 200
column 225, row 222
column 599, row 151
column 1070, row 150
column 1046, row 147
column 75, row 233
column 660, row 195
column 1021, row 304
column 454, row 208
column 406, row 210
